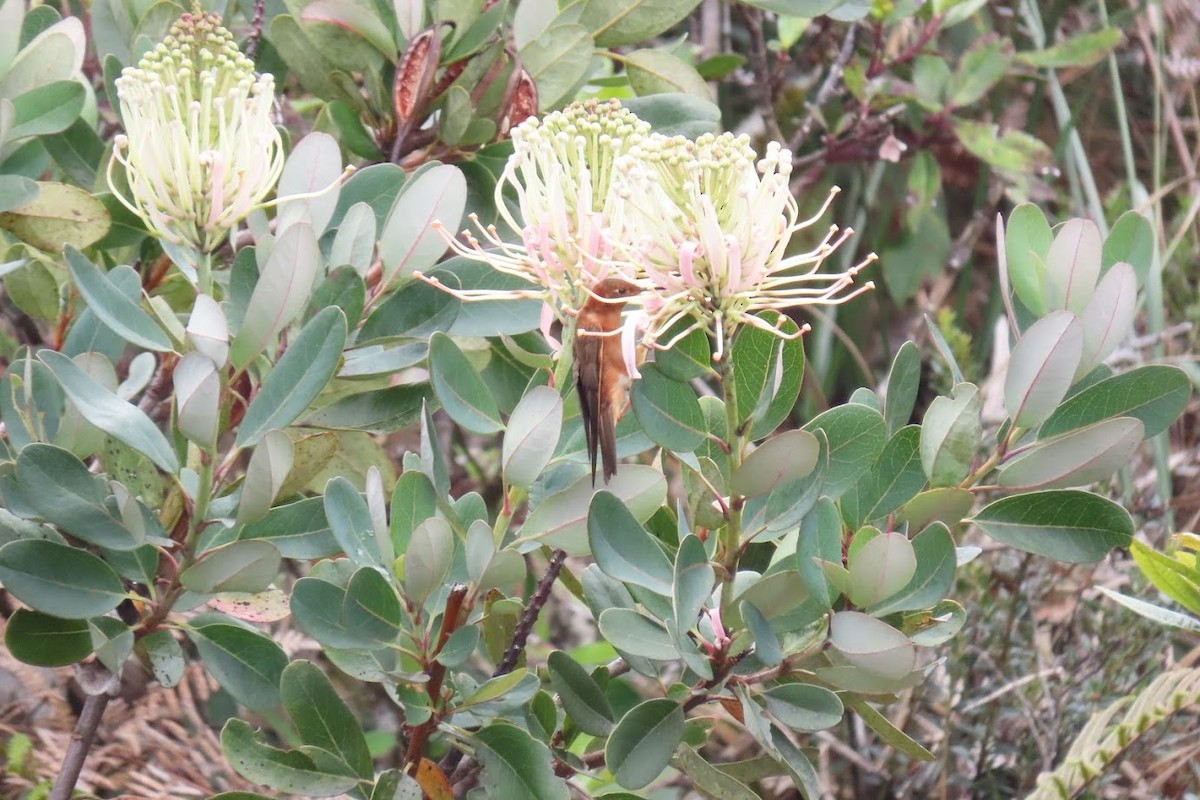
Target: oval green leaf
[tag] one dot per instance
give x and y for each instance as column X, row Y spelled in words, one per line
column 280, row 294
column 1131, row 240
column 618, row 22
column 322, row 718
column 893, row 480
column 243, row 566
column 637, row 634
column 59, row 215
column 1108, row 317
column 161, row 651
column 532, row 436
column 517, row 765
column 298, row 530
column 1067, row 525
column 246, row 663
column 197, row 398
column 108, row 412
column 415, row 310
column 305, row 368
column 1042, row 367
column 804, row 707
column 312, row 168
column 1078, row 458
column 62, row 490
column 460, row 388
column 1027, row 239
column 657, row 71
column 557, row 60
column 350, row 521
column 690, row 357
column 623, row 549
column 871, row 645
column 1155, row 394
column 428, row 558
column 582, row 698
column 857, row 435
column 950, row 435
column 371, row 610
column 46, row 641
column 788, row 457
column 316, row 607
column 693, row 585
column 668, row 410
column 58, row 579
column 641, row 745
column 881, row 568
column 284, row 770
column 767, row 372
column 947, row 505
column 936, row 560
column 409, row 241
column 269, row 466
column 1073, row 265
column 120, row 313
column 903, row 381
column 560, row 520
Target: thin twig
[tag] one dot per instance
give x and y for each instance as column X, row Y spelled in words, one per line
column 1174, row 128
column 465, row 777
column 452, row 765
column 927, row 33
column 709, row 21
column 541, row 594
column 832, row 84
column 451, row 619
column 859, row 145
column 847, row 752
column 1008, row 687
column 156, row 400
column 81, row 743
column 26, row 330
column 764, row 84
column 256, row 28
column 97, row 682
column 1001, row 661
column 960, row 252
column 617, row 667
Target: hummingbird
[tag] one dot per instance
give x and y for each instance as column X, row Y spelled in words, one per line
column 601, row 377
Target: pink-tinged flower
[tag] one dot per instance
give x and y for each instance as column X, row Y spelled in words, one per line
column 572, row 203
column 200, row 149
column 711, row 230
column 892, row 149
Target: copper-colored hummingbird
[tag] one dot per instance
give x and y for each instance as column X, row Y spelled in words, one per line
column 601, row 376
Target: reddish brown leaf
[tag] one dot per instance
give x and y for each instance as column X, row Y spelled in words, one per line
column 733, row 707
column 414, row 76
column 433, row 781
column 524, row 101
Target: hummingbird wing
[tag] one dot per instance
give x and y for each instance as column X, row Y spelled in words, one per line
column 587, row 352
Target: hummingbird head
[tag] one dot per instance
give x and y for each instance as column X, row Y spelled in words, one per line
column 616, row 289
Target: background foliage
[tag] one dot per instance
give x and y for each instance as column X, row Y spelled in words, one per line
column 339, row 489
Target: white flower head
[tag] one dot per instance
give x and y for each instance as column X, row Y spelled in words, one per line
column 572, row 203
column 200, row 150
column 712, row 224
